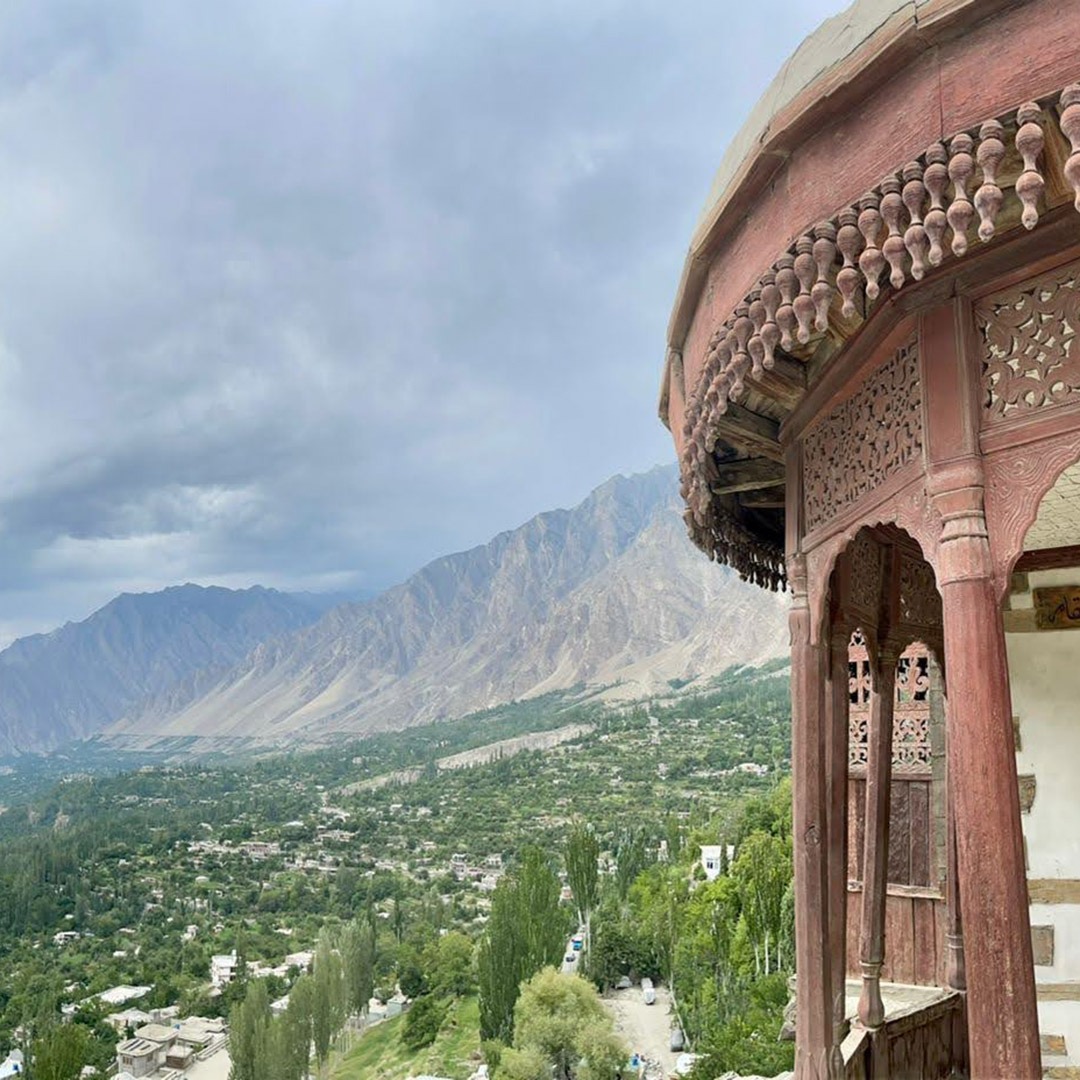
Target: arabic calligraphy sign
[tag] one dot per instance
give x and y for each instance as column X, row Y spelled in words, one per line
column 1058, row 607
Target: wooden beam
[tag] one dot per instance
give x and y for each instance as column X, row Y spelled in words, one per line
column 1059, row 558
column 749, row 431
column 762, row 499
column 785, row 383
column 746, row 475
column 1054, row 890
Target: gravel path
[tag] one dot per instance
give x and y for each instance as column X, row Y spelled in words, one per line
column 646, row 1028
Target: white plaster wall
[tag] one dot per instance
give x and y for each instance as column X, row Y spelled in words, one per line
column 1044, row 672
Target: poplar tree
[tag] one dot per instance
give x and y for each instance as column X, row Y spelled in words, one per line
column 358, row 964
column 524, row 933
column 297, row 1024
column 582, row 853
column 328, row 1002
column 247, row 1029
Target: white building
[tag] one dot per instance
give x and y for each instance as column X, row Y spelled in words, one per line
column 712, row 860
column 223, row 969
column 12, row 1065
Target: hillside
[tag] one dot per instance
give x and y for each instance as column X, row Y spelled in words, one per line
column 610, row 592
column 71, row 682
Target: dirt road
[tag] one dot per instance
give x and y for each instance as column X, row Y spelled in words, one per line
column 646, row 1028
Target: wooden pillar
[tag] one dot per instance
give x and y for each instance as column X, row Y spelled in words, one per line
column 814, row 1057
column 838, row 702
column 1003, row 1022
column 876, row 849
column 954, row 929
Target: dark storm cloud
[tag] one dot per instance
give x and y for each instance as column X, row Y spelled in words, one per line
column 308, row 294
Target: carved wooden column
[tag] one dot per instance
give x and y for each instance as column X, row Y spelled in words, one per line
column 1003, row 1025
column 838, row 702
column 954, row 926
column 814, row 1017
column 1003, row 1022
column 876, row 849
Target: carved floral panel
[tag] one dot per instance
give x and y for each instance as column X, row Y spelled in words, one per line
column 1029, row 360
column 920, row 602
column 865, row 439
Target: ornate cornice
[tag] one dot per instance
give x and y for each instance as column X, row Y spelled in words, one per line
column 917, row 218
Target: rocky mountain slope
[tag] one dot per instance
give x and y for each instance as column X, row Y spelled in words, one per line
column 609, row 592
column 73, row 681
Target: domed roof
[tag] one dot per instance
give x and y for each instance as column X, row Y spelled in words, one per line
column 830, row 44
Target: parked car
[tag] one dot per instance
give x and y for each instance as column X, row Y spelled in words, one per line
column 624, row 983
column 648, row 994
column 678, row 1041
column 571, row 957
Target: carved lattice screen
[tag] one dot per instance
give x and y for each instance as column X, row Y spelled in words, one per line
column 916, row 815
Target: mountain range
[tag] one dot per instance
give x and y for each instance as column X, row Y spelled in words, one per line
column 76, row 680
column 610, row 593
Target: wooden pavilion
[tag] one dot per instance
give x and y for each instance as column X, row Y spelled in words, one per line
column 871, row 387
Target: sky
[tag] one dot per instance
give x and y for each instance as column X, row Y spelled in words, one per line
column 306, row 293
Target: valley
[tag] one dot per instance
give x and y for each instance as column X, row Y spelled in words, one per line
column 142, row 878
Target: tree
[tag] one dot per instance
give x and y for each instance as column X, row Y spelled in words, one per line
column 297, row 1025
column 582, row 853
column 410, row 972
column 247, row 1029
column 328, row 998
column 422, row 1021
column 358, row 964
column 559, row 1019
column 524, row 933
column 762, row 870
column 630, row 859
column 451, row 965
column 61, row 1052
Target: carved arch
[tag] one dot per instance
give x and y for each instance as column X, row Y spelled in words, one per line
column 1017, row 480
column 910, row 510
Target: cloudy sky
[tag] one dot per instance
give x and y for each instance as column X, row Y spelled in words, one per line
column 307, row 292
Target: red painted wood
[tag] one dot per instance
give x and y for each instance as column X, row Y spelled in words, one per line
column 941, row 923
column 1002, row 1017
column 919, row 800
column 924, row 917
column 837, row 793
column 854, row 909
column 876, row 855
column 919, row 96
column 856, row 826
column 814, row 1031
column 900, row 834
column 900, row 938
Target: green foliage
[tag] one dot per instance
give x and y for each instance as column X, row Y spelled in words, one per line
column 724, row 946
column 423, row 1020
column 450, row 965
column 61, row 1053
column 560, row 1022
column 328, row 1007
column 746, row 1042
column 130, row 860
column 525, row 932
column 247, row 1031
column 358, row 956
column 581, row 853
